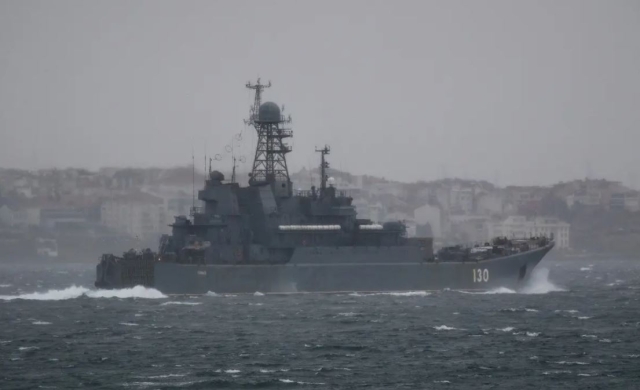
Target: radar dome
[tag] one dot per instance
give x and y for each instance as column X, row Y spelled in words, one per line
column 269, row 112
column 216, row 176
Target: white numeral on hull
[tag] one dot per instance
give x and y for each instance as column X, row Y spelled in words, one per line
column 480, row 275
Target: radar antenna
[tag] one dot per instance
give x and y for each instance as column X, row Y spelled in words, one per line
column 253, row 112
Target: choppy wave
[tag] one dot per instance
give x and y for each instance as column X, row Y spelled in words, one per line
column 41, row 323
column 444, row 327
column 5, row 285
column 181, row 303
column 79, row 291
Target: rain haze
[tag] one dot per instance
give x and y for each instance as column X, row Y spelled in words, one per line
column 478, row 226
column 511, row 92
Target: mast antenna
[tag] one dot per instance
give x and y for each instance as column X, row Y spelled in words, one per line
column 323, row 168
column 253, row 114
column 193, row 179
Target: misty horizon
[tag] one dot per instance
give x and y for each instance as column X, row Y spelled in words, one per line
column 510, row 93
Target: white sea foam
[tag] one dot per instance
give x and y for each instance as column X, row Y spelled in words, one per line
column 556, row 372
column 499, row 290
column 181, row 303
column 582, row 374
column 444, row 327
column 507, row 329
column 564, row 362
column 41, row 323
column 533, row 334
column 539, row 283
column 258, row 294
column 27, row 348
column 349, row 314
column 445, row 381
column 78, row 291
column 5, row 285
column 129, row 324
column 394, row 294
column 589, row 336
column 585, row 269
column 159, row 384
column 300, row 383
column 231, row 371
column 166, row 376
column 583, row 318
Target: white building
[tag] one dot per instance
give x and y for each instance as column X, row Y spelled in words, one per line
column 517, row 226
column 136, row 214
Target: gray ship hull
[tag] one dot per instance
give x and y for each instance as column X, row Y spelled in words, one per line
column 348, row 269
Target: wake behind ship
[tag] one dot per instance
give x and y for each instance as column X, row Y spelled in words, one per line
column 264, row 237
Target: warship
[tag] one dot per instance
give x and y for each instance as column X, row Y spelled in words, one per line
column 265, row 237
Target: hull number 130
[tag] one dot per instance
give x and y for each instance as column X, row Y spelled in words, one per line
column 480, row 275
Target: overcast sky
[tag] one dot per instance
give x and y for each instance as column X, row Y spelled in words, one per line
column 518, row 92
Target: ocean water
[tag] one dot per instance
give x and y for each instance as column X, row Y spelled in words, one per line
column 575, row 325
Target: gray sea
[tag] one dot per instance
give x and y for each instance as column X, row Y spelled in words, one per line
column 575, row 325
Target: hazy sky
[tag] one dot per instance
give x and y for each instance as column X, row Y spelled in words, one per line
column 522, row 92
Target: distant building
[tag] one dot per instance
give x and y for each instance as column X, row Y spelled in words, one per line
column 490, row 203
column 587, row 198
column 56, row 217
column 629, row 201
column 428, row 215
column 468, row 228
column 461, row 200
column 137, row 214
column 517, row 226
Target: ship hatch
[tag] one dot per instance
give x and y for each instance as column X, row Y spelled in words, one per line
column 523, row 272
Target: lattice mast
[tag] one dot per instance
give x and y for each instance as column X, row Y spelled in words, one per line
column 269, row 163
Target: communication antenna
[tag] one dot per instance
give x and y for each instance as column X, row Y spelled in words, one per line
column 257, row 100
column 323, row 168
column 193, row 180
